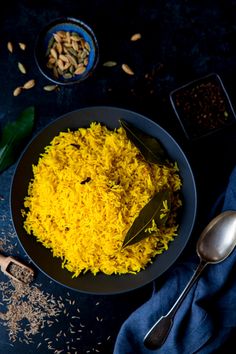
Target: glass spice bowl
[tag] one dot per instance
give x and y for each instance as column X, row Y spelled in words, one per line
column 66, row 51
column 203, row 106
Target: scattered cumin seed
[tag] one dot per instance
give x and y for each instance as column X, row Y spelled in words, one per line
column 135, row 37
column 127, row 69
column 25, row 303
column 17, row 91
column 22, row 273
column 10, row 47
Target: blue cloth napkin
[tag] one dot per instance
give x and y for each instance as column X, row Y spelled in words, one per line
column 206, row 321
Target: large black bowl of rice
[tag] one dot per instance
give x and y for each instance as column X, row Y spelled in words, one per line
column 82, row 185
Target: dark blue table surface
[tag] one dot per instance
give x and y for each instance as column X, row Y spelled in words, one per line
column 181, row 41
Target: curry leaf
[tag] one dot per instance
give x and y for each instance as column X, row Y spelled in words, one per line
column 13, row 134
column 150, row 148
column 153, row 210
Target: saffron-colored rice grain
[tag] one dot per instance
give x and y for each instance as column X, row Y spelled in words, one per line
column 88, row 187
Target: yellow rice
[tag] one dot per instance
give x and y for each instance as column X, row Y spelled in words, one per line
column 85, row 223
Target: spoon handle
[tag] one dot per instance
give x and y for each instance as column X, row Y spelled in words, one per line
column 157, row 335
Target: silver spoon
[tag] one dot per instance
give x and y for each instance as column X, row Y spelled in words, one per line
column 216, row 242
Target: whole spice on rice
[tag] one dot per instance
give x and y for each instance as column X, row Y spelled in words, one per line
column 67, row 54
column 102, row 176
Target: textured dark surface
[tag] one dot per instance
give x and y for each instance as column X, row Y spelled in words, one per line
column 181, row 41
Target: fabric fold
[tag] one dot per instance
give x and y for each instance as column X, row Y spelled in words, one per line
column 206, row 321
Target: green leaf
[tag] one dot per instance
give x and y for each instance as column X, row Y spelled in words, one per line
column 153, row 210
column 150, row 148
column 13, row 134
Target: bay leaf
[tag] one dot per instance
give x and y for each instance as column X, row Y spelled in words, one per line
column 151, row 211
column 13, row 135
column 150, row 148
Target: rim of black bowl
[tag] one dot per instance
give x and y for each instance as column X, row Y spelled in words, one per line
column 41, row 257
column 39, row 56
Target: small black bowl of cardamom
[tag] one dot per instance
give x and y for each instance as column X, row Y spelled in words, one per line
column 203, row 107
column 66, row 51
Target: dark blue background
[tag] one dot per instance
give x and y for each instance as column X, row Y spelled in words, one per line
column 181, row 41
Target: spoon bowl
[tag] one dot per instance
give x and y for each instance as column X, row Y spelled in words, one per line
column 215, row 244
column 218, row 239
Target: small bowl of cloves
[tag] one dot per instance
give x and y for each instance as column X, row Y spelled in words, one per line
column 66, row 51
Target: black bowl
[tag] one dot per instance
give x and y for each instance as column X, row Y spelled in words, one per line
column 203, row 107
column 45, row 37
column 42, row 257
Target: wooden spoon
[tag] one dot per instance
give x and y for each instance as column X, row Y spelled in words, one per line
column 16, row 270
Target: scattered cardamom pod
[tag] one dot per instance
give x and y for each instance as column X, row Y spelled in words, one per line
column 29, row 84
column 10, row 47
column 135, row 37
column 127, row 69
column 17, row 91
column 22, row 45
column 50, row 88
column 21, row 68
column 110, row 63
